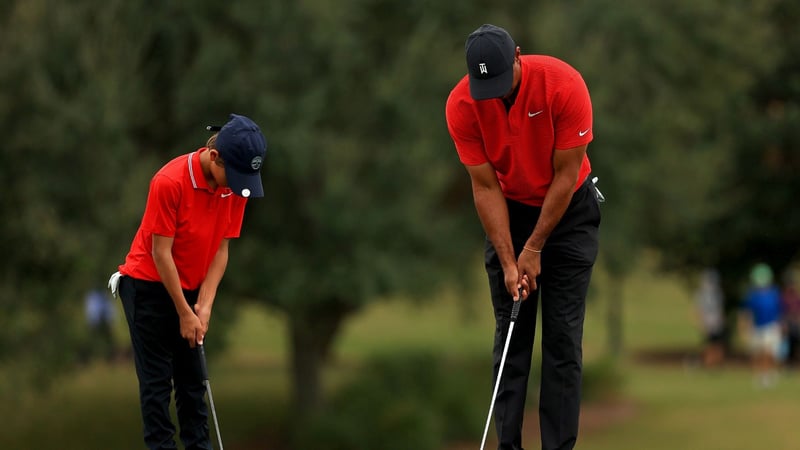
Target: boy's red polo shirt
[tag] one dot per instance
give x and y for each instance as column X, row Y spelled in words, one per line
column 552, row 111
column 181, row 205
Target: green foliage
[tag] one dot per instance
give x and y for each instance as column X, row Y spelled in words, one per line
column 407, row 400
column 664, row 84
column 88, row 100
column 602, row 380
column 357, row 175
column 696, row 105
column 422, row 400
column 764, row 164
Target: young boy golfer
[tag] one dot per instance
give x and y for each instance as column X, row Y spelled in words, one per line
column 170, row 276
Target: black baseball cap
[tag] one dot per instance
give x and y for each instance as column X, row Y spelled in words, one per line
column 242, row 147
column 490, row 62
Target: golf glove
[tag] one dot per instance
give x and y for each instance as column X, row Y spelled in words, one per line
column 113, row 283
column 600, row 197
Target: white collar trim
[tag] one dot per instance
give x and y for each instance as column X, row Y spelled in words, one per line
column 191, row 171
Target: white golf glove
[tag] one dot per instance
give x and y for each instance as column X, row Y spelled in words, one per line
column 113, row 283
column 600, row 197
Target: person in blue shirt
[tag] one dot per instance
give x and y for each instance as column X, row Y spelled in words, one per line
column 762, row 303
column 100, row 315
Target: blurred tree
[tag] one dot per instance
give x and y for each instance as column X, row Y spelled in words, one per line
column 365, row 197
column 65, row 108
column 95, row 98
column 756, row 218
column 759, row 223
column 364, row 194
column 695, row 103
column 667, row 81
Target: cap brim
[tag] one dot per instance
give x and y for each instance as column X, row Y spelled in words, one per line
column 244, row 184
column 493, row 87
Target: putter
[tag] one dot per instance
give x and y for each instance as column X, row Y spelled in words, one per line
column 208, row 389
column 514, row 314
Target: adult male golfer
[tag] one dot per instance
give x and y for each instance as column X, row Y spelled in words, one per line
column 170, row 276
column 521, row 125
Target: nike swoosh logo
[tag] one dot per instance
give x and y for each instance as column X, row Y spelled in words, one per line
column 583, row 133
column 530, row 114
column 226, row 195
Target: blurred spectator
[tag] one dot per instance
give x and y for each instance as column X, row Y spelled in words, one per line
column 762, row 304
column 100, row 315
column 710, row 309
column 790, row 298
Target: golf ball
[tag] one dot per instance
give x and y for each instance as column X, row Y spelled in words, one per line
column 245, row 193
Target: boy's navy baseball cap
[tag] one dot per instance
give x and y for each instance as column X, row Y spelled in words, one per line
column 243, row 148
column 490, row 62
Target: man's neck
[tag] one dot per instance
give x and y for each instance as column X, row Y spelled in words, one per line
column 509, row 101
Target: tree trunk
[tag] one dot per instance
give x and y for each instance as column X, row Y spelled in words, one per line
column 312, row 334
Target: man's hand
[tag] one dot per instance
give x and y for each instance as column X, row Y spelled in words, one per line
column 517, row 286
column 530, row 266
column 191, row 329
column 204, row 314
column 493, row 212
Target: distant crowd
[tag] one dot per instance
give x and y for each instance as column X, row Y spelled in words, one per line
column 768, row 320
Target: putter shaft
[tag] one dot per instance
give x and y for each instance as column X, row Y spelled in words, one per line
column 207, row 384
column 213, row 412
column 514, row 314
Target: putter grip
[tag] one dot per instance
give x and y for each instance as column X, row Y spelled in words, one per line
column 515, row 310
column 203, row 366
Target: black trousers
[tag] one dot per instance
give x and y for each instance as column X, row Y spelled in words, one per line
column 164, row 360
column 567, row 261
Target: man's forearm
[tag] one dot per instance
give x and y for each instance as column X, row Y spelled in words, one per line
column 555, row 204
column 493, row 213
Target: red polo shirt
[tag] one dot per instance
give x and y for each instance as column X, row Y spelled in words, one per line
column 552, row 111
column 181, row 205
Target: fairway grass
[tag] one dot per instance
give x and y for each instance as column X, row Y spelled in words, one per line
column 676, row 405
column 679, row 408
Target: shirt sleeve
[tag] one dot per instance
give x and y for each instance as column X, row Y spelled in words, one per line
column 237, row 217
column 573, row 114
column 161, row 214
column 465, row 133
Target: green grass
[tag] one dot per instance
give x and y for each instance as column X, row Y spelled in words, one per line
column 674, row 406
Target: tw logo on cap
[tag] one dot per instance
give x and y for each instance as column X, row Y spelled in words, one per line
column 490, row 53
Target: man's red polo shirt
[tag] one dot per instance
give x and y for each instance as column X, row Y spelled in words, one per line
column 181, row 205
column 552, row 111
